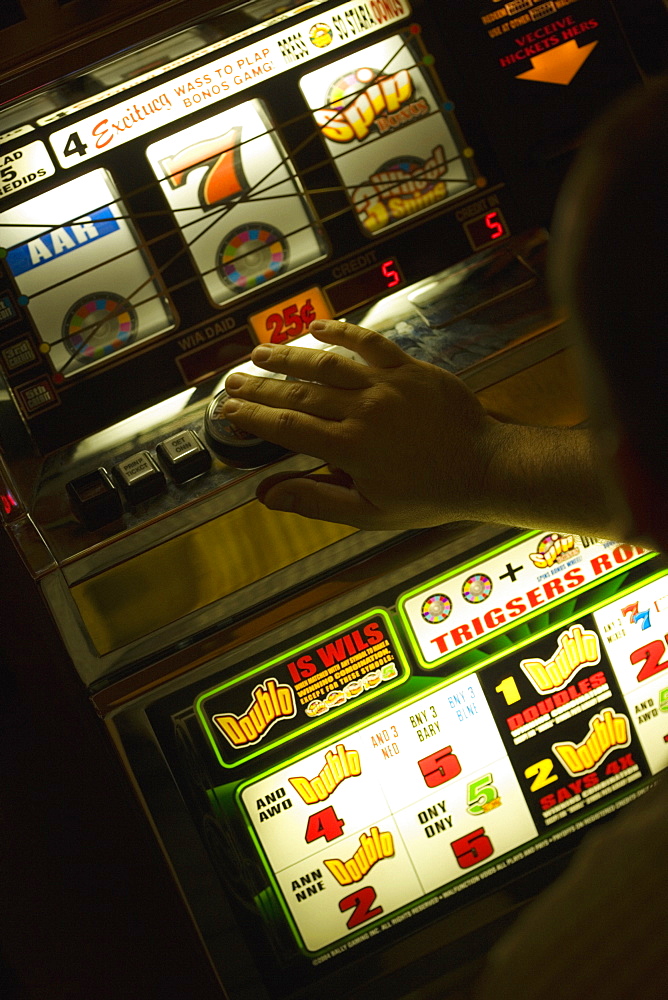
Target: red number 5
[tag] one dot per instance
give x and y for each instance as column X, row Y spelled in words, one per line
column 473, row 848
column 493, row 223
column 439, row 767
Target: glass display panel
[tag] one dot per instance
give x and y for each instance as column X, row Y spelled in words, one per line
column 236, row 200
column 544, row 722
column 82, row 274
column 396, row 147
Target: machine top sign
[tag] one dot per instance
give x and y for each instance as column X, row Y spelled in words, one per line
column 222, row 78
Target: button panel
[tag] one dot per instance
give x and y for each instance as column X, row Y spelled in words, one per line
column 184, row 456
column 139, row 477
column 94, row 499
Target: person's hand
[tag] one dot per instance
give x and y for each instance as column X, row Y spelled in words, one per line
column 408, row 443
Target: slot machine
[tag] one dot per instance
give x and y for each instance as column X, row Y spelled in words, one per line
column 358, row 751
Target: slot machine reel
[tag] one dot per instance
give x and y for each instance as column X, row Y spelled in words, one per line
column 238, row 447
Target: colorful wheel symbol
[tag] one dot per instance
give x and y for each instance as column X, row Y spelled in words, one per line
column 436, row 609
column 547, row 542
column 404, row 165
column 346, row 87
column 321, row 35
column 98, row 325
column 477, row 588
column 251, row 255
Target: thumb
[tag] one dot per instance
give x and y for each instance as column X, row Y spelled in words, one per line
column 319, row 498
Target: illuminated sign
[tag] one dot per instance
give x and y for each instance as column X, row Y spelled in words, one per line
column 222, row 78
column 331, row 674
column 454, row 784
column 290, row 318
column 166, row 67
column 531, row 34
column 374, row 817
column 453, row 613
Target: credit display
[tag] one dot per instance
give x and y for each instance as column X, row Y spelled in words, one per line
column 486, row 229
column 364, row 286
column 456, row 770
column 336, row 672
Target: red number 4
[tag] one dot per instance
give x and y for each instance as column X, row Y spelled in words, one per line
column 324, row 824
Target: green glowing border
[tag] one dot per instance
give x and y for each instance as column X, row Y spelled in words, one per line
column 541, row 840
column 270, row 744
column 441, row 580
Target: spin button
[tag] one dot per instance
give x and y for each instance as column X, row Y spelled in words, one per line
column 184, row 456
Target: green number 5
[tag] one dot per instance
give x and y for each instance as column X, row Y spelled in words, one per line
column 480, row 794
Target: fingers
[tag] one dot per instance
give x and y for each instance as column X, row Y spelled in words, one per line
column 320, row 497
column 296, row 431
column 308, row 397
column 327, row 367
column 377, row 351
column 312, row 365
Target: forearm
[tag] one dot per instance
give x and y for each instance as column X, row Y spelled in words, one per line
column 415, row 445
column 550, row 477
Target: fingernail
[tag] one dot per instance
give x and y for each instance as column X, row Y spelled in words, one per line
column 261, row 354
column 235, row 381
column 231, row 406
column 317, row 326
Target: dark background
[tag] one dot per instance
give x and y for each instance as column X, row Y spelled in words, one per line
column 87, row 907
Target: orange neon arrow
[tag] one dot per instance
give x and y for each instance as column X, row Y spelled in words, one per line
column 559, row 65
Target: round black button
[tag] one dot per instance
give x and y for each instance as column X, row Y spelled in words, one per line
column 236, row 446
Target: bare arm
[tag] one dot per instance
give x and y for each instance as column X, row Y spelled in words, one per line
column 411, row 445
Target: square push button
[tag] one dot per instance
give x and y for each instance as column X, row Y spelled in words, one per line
column 94, row 499
column 184, row 456
column 139, row 477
